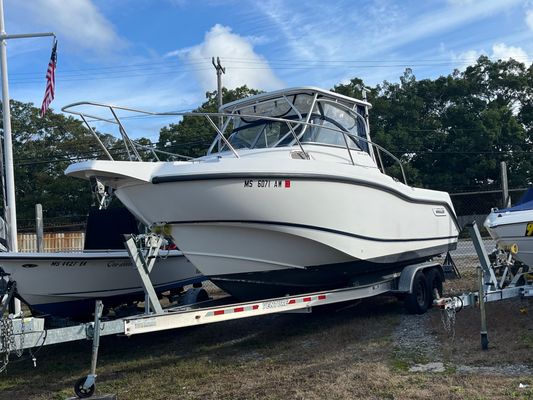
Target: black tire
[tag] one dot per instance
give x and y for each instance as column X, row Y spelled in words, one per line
column 80, row 391
column 435, row 280
column 418, row 301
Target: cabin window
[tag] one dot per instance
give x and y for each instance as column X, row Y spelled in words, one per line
column 328, row 124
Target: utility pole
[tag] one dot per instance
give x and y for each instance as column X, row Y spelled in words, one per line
column 220, row 71
column 10, row 207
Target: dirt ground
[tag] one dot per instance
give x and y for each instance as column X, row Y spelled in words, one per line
column 371, row 350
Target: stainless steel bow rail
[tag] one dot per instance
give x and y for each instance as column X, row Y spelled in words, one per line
column 412, row 282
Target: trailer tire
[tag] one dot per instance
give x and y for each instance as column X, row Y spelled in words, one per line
column 417, row 302
column 435, row 281
column 80, row 391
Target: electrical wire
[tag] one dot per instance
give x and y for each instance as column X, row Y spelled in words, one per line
column 235, row 63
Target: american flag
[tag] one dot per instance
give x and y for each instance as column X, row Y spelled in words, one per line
column 50, row 80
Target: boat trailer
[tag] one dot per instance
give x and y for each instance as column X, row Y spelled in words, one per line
column 18, row 333
column 513, row 283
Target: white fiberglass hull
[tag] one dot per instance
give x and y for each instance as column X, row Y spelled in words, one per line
column 67, row 284
column 513, row 227
column 246, row 224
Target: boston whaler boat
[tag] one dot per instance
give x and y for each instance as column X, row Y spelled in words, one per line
column 514, row 226
column 294, row 199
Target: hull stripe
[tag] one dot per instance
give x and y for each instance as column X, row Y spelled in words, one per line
column 312, row 227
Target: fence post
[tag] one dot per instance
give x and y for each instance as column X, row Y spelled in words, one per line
column 505, row 186
column 39, row 227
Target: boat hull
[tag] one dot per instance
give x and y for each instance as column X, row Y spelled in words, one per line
column 67, row 284
column 291, row 281
column 515, row 227
column 245, row 220
column 256, row 241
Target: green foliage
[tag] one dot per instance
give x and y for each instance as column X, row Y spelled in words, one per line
column 42, row 149
column 193, row 135
column 454, row 131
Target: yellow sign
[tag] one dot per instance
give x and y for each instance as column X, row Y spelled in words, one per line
column 529, row 229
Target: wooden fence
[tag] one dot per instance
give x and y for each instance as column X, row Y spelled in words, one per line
column 61, row 241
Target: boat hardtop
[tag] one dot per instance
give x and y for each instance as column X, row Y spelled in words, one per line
column 310, row 90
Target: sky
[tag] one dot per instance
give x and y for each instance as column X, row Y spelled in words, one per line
column 156, row 54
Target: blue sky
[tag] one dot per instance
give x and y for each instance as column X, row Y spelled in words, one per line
column 157, row 54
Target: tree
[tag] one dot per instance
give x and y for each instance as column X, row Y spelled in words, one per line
column 193, row 135
column 42, row 149
column 452, row 132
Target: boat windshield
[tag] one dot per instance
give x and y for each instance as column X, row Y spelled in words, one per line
column 325, row 121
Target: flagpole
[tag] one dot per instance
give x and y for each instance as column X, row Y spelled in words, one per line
column 10, row 208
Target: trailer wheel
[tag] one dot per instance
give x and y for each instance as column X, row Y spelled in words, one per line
column 82, row 392
column 435, row 280
column 418, row 301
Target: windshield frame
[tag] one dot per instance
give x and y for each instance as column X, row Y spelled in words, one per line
column 294, row 122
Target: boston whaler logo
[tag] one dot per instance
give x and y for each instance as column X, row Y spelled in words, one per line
column 29, row 265
column 439, row 211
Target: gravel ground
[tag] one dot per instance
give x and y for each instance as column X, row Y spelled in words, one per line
column 413, row 339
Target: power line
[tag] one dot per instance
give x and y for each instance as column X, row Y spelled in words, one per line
column 234, row 63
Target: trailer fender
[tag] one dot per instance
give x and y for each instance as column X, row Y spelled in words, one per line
column 405, row 284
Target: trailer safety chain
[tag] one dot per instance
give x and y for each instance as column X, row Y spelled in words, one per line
column 448, row 314
column 7, row 341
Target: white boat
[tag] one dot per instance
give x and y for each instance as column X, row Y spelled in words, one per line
column 514, row 226
column 291, row 200
column 67, row 284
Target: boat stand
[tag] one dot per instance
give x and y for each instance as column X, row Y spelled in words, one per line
column 144, row 262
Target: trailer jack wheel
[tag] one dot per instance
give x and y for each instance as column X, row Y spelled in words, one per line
column 81, row 391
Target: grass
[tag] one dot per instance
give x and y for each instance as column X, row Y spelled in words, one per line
column 347, row 354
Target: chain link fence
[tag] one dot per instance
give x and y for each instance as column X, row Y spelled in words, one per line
column 475, row 206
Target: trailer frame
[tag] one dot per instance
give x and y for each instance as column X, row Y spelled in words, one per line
column 30, row 332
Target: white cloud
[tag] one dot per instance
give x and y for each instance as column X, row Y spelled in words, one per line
column 381, row 26
column 76, row 21
column 500, row 51
column 529, row 19
column 252, row 70
column 466, row 58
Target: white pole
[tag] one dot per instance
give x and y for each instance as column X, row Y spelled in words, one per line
column 11, row 209
column 506, row 201
column 39, row 231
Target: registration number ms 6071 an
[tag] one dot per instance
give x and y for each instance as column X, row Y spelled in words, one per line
column 267, row 183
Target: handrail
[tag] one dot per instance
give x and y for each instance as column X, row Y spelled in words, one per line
column 116, row 121
column 220, row 133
